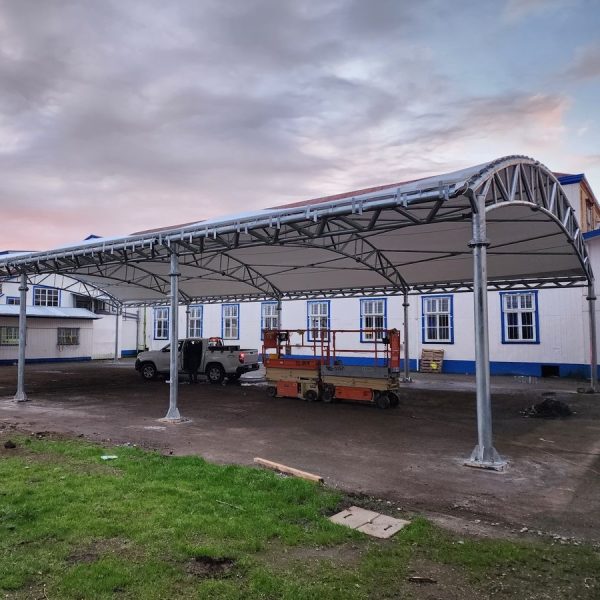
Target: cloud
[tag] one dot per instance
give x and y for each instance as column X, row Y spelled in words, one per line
column 585, row 64
column 518, row 10
column 123, row 116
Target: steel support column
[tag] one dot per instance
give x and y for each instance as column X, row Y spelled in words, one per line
column 484, row 455
column 21, row 396
column 173, row 412
column 117, row 311
column 405, row 305
column 278, row 309
column 591, row 298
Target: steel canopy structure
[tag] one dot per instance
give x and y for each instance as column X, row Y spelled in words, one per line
column 506, row 224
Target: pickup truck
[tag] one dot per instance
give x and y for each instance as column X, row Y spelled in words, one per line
column 218, row 360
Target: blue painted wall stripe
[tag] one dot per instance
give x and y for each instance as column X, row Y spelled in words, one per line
column 467, row 367
column 5, row 362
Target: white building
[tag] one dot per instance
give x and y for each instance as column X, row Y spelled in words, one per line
column 64, row 322
column 532, row 332
column 541, row 332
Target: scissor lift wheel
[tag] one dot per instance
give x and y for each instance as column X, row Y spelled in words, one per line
column 328, row 393
column 382, row 400
column 311, row 396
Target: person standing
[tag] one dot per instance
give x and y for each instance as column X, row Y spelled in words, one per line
column 192, row 357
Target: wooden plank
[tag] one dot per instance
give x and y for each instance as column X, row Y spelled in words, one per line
column 288, row 470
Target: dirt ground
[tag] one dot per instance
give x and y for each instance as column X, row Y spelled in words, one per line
column 410, row 457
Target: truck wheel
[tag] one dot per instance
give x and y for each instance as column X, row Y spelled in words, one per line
column 215, row 373
column 382, row 400
column 148, row 371
column 271, row 391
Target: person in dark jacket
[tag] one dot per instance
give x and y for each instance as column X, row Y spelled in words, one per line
column 192, row 357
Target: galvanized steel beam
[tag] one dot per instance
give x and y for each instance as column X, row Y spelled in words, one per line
column 21, row 396
column 484, row 455
column 173, row 412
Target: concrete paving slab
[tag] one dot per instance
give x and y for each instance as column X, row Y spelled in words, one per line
column 383, row 526
column 354, row 517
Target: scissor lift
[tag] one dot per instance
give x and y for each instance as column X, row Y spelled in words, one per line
column 320, row 373
column 290, row 376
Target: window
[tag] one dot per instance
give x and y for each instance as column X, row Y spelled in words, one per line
column 318, row 320
column 9, row 336
column 230, row 321
column 195, row 322
column 519, row 317
column 43, row 296
column 269, row 317
column 372, row 319
column 161, row 323
column 13, row 300
column 83, row 302
column 437, row 319
column 68, row 336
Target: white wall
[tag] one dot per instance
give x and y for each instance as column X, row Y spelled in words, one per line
column 42, row 339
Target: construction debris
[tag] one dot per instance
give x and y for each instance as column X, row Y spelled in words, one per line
column 549, row 408
column 417, row 579
column 288, row 470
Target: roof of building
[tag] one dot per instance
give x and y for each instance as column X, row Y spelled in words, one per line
column 47, row 312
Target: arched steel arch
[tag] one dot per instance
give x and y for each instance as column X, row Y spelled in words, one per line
column 513, row 181
column 524, row 181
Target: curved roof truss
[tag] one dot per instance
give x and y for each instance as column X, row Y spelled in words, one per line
column 403, row 237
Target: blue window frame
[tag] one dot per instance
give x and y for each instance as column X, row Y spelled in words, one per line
column 161, row 323
column 269, row 317
column 230, row 321
column 45, row 296
column 13, row 300
column 196, row 313
column 373, row 319
column 318, row 319
column 437, row 319
column 519, row 317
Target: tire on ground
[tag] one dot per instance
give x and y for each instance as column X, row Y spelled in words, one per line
column 311, row 396
column 328, row 393
column 383, row 400
column 148, row 371
column 215, row 373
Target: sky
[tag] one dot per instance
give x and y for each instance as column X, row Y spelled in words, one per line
column 119, row 116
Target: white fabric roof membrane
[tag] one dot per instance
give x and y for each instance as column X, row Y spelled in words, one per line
column 384, row 240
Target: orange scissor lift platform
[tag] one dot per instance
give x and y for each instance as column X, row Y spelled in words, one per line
column 289, row 376
column 324, row 376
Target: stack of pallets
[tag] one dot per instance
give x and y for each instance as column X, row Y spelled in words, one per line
column 431, row 361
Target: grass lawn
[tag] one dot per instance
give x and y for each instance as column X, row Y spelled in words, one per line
column 151, row 526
